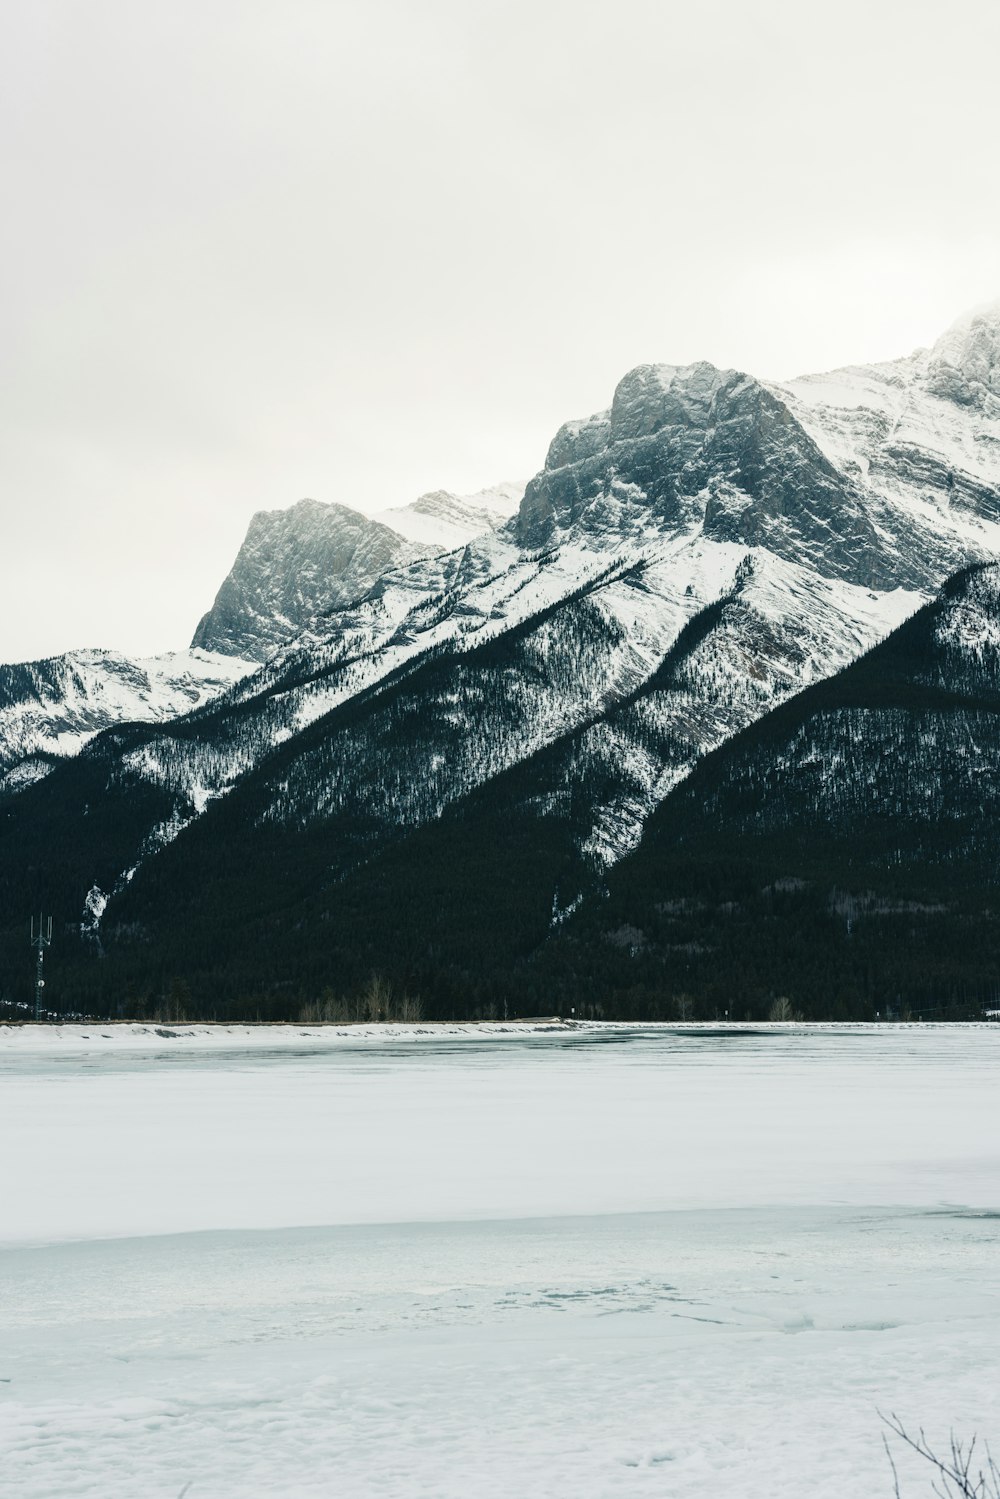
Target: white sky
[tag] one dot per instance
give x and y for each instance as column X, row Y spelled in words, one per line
column 356, row 249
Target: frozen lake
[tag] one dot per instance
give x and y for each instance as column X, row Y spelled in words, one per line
column 609, row 1262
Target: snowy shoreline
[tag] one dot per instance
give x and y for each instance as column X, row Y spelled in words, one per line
column 28, row 1036
column 253, row 1257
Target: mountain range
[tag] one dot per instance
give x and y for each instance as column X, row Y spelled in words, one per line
column 292, row 566
column 477, row 754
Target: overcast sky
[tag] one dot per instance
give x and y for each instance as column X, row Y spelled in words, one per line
column 256, row 251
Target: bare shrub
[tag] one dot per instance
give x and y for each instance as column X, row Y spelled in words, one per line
column 959, row 1474
column 410, row 1009
column 683, row 1006
column 174, row 1006
column 329, row 1009
column 377, row 999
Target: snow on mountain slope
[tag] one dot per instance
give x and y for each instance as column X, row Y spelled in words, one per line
column 965, row 361
column 871, row 474
column 293, row 565
column 899, row 752
column 967, row 626
column 444, row 521
column 785, row 528
column 779, row 629
column 566, row 650
column 691, row 475
column 922, row 435
column 725, row 635
column 297, row 564
column 404, row 629
column 50, row 709
column 841, row 851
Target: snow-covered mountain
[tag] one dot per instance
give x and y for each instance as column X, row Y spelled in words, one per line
column 820, row 513
column 296, row 565
column 909, row 738
column 709, row 546
column 885, row 475
column 442, row 520
column 50, row 709
column 841, row 851
column 293, row 565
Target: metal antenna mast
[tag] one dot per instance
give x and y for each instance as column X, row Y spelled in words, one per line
column 40, row 940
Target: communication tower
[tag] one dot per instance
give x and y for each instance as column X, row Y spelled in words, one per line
column 41, row 938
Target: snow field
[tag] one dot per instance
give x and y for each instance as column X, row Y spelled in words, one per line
column 579, row 1266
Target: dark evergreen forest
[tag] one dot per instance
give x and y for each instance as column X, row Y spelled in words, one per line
column 838, row 859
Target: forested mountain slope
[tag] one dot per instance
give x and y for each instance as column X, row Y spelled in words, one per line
column 682, row 564
column 841, row 851
column 50, row 709
column 839, row 854
column 293, row 566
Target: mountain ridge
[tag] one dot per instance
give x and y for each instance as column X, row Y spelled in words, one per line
column 861, row 815
column 707, row 548
column 296, row 564
column 52, row 708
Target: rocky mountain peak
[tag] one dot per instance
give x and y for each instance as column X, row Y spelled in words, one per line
column 653, row 396
column 293, row 565
column 688, row 446
column 965, row 361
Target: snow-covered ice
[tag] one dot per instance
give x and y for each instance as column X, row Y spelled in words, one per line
column 593, row 1263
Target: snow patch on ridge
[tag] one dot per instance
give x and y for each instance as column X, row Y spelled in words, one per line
column 54, row 707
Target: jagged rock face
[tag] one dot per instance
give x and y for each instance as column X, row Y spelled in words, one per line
column 293, row 566
column 964, row 364
column 298, row 564
column 879, row 475
column 698, row 447
column 920, row 437
column 789, row 527
column 768, row 484
column 637, row 467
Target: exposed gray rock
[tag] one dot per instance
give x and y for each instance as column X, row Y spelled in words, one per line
column 707, row 547
column 881, row 475
column 295, row 565
column 964, row 364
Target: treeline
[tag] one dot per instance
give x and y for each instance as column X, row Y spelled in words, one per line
column 456, row 922
column 835, row 860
